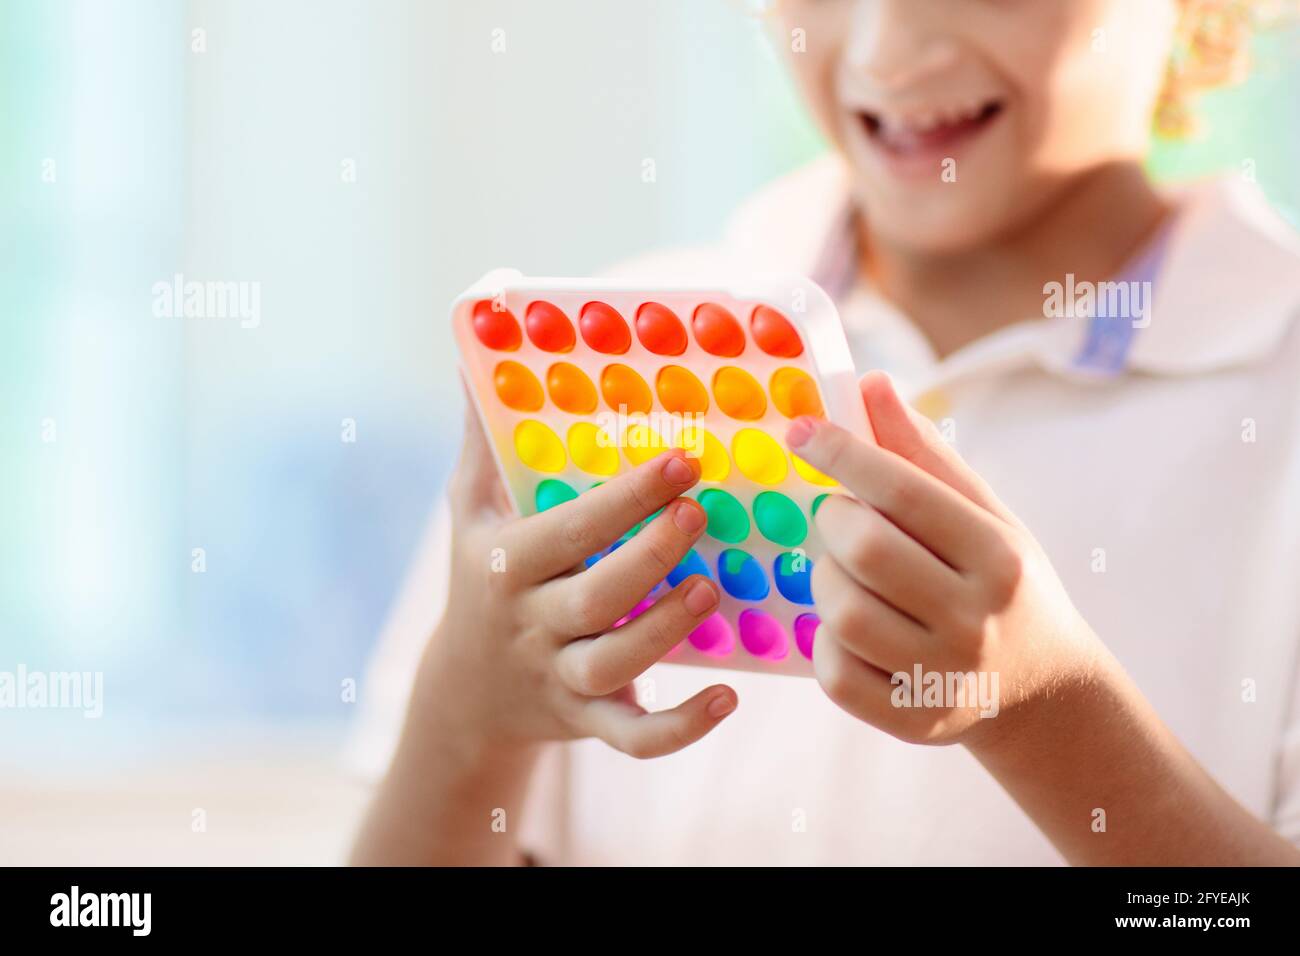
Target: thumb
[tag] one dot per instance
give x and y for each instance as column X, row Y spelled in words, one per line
column 475, row 483
column 906, row 432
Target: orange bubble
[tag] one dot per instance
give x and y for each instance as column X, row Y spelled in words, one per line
column 570, row 389
column 549, row 328
column 517, row 387
column 496, row 328
column 680, row 391
column 774, row 333
column 659, row 329
column 604, row 329
column 717, row 331
column 795, row 393
column 739, row 394
column 623, row 387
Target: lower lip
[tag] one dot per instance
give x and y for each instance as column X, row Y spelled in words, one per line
column 923, row 155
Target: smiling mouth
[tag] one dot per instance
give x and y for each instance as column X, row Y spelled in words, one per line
column 927, row 134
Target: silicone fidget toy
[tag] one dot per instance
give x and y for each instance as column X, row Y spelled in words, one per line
column 578, row 380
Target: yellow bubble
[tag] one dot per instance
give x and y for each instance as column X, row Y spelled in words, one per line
column 592, row 450
column 714, row 463
column 641, row 443
column 538, row 447
column 759, row 457
column 810, row 474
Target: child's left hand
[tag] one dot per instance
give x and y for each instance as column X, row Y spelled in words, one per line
column 925, row 566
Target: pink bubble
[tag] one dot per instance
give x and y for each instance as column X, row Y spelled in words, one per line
column 713, row 636
column 763, row 636
column 805, row 629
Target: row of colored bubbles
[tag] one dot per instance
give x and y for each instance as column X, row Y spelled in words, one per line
column 742, row 576
column 657, row 327
column 761, row 635
column 778, row 518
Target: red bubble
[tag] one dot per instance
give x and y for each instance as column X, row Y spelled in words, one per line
column 549, row 328
column 717, row 331
column 496, row 329
column 774, row 333
column 660, row 330
column 604, row 329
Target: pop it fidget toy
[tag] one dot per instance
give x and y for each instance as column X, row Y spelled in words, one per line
column 578, row 380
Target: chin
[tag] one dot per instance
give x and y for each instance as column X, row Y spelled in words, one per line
column 936, row 221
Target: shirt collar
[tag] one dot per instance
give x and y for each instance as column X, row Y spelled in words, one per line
column 1225, row 283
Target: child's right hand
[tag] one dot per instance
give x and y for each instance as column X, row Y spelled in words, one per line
column 525, row 651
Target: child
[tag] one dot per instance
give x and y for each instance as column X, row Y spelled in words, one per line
column 1106, row 517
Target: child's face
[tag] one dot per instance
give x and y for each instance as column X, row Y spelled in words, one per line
column 963, row 119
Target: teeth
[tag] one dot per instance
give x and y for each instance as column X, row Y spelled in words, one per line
column 925, row 121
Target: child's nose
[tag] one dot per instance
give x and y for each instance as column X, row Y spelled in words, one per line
column 896, row 44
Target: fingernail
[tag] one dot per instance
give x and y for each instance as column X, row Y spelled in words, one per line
column 721, row 705
column 801, row 429
column 689, row 516
column 700, row 598
column 677, row 472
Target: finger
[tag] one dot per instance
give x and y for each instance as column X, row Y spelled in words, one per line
column 584, row 604
column 475, row 484
column 854, row 685
column 906, row 432
column 863, row 624
column 627, row 727
column 942, row 519
column 559, row 539
column 881, row 558
column 596, row 666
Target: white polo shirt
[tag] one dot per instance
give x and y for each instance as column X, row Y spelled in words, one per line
column 1160, row 469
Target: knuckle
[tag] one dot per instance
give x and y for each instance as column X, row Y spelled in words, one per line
column 637, row 495
column 580, row 614
column 639, row 748
column 1005, row 572
column 586, row 676
column 869, row 547
column 579, row 530
column 661, row 552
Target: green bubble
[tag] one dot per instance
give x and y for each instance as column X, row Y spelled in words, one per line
column 552, row 492
column 817, row 503
column 727, row 518
column 779, row 519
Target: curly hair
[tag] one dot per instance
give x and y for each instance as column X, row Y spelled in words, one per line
column 1211, row 49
